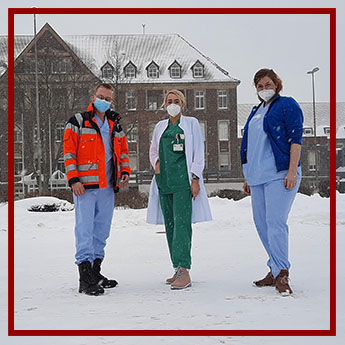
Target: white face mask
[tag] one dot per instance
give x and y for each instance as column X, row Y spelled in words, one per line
column 266, row 95
column 173, row 109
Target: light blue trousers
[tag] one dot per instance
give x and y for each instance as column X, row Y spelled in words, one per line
column 93, row 215
column 271, row 204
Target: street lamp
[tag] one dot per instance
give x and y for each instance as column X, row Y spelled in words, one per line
column 312, row 72
column 39, row 152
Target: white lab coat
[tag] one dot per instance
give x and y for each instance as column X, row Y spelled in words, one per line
column 194, row 150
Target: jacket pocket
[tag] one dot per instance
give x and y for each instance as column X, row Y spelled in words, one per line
column 87, row 148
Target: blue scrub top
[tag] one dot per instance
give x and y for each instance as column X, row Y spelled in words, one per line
column 261, row 166
column 105, row 133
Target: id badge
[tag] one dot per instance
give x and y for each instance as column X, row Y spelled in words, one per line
column 177, row 147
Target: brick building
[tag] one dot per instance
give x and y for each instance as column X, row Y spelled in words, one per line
column 142, row 68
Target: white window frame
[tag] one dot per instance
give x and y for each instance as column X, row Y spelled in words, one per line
column 59, row 129
column 327, row 130
column 133, row 161
column 107, row 71
column 175, row 71
column 200, row 99
column 132, row 135
column 130, row 71
column 18, row 161
column 153, row 72
column 18, row 135
column 224, row 154
column 312, row 160
column 157, row 100
column 61, row 164
column 306, row 130
column 131, row 101
column 222, row 136
column 222, row 99
column 198, row 70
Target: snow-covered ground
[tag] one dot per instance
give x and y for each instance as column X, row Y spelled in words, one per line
column 227, row 257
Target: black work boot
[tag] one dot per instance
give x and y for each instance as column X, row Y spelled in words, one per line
column 102, row 281
column 88, row 283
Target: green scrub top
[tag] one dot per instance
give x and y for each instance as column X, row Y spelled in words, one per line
column 173, row 175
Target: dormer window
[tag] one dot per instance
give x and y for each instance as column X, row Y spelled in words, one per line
column 175, row 70
column 152, row 70
column 107, row 71
column 308, row 131
column 198, row 70
column 130, row 70
column 327, row 130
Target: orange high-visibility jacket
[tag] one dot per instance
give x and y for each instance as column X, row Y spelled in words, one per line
column 84, row 153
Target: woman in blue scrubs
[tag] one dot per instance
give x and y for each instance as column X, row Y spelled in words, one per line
column 270, row 156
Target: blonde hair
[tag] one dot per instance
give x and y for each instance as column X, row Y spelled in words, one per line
column 178, row 94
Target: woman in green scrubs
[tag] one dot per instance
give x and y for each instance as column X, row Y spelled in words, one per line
column 178, row 185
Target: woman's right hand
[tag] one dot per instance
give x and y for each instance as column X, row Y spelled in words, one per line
column 246, row 188
column 157, row 168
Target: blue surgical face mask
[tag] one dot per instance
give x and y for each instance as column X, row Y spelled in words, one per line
column 101, row 105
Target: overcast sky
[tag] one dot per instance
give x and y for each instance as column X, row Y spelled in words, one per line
column 241, row 44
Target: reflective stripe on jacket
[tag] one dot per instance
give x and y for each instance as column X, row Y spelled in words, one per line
column 84, row 153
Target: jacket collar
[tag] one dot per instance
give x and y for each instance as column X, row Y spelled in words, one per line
column 181, row 124
column 110, row 115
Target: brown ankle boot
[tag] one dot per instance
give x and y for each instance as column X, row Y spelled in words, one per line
column 172, row 279
column 282, row 283
column 182, row 281
column 269, row 280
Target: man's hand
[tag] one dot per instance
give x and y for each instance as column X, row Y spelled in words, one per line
column 124, row 180
column 195, row 188
column 78, row 189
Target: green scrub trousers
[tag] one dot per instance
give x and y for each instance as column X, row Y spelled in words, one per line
column 175, row 195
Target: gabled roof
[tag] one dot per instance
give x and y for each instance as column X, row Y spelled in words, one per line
column 197, row 62
column 152, row 63
column 141, row 49
column 130, row 63
column 107, row 64
column 174, row 63
column 24, row 44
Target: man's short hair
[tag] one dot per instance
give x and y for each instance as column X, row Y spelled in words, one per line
column 105, row 85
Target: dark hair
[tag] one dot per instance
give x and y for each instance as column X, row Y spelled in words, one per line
column 265, row 72
column 105, row 85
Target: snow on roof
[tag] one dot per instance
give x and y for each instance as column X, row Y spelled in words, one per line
column 140, row 49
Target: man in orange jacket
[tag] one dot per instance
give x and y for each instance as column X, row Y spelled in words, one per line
column 97, row 163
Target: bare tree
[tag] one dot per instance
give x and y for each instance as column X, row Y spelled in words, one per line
column 64, row 84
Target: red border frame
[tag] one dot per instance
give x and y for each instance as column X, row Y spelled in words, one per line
column 328, row 332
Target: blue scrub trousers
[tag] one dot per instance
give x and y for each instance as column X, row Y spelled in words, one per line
column 93, row 215
column 271, row 204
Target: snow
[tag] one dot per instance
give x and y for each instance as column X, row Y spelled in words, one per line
column 227, row 257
